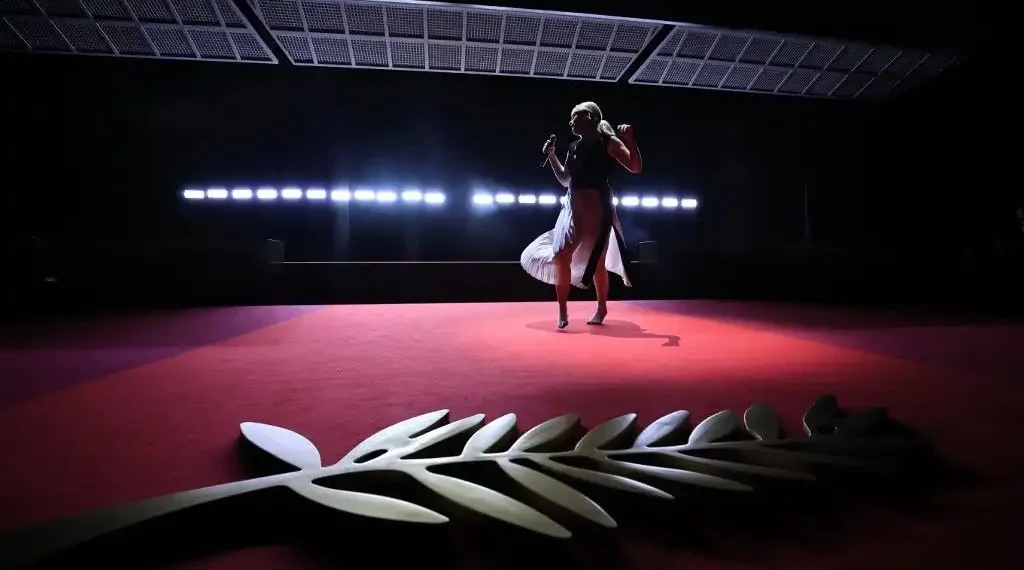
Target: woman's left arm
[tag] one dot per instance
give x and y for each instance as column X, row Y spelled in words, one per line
column 624, row 150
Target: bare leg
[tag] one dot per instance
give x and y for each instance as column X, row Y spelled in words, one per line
column 601, row 288
column 563, row 283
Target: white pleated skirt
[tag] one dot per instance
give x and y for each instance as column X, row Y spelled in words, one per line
column 589, row 229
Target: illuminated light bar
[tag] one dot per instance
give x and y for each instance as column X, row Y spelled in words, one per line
column 412, row 196
column 482, row 198
column 416, row 196
column 338, row 194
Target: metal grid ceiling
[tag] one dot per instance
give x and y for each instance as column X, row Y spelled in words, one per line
column 167, row 29
column 453, row 38
column 703, row 58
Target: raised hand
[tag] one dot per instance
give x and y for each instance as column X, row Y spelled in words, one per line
column 625, row 133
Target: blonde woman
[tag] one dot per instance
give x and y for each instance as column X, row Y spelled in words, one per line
column 587, row 241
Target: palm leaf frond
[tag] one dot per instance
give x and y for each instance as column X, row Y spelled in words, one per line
column 546, row 462
column 726, row 452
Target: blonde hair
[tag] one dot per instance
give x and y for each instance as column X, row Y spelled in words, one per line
column 591, row 108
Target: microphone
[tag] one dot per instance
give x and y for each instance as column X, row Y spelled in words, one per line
column 551, row 141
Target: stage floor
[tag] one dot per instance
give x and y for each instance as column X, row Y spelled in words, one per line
column 138, row 406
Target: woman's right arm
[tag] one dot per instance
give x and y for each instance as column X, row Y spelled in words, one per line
column 557, row 168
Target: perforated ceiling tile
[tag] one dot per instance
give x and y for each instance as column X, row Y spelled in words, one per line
column 704, row 58
column 456, row 38
column 211, row 30
column 453, row 38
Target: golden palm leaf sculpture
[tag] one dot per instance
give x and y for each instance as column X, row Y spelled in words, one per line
column 617, row 458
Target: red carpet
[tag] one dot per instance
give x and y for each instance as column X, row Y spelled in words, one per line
column 338, row 374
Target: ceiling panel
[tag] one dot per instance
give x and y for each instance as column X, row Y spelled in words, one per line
column 454, row 38
column 451, row 38
column 211, row 30
column 706, row 58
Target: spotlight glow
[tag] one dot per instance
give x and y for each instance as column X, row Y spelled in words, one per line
column 291, row 194
column 217, row 193
column 527, row 199
column 481, row 199
column 386, row 196
column 433, row 198
column 364, row 195
column 266, row 194
column 689, row 203
column 191, row 194
column 241, row 194
column 547, row 199
column 316, row 194
column 504, row 198
column 340, row 195
column 412, row 196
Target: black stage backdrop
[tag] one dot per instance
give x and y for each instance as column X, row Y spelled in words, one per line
column 100, row 148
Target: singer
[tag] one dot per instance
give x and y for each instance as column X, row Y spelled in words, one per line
column 576, row 252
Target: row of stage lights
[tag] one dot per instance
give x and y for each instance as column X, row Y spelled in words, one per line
column 480, row 199
column 502, row 198
column 315, row 194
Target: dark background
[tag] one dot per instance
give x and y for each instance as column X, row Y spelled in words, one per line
column 100, row 148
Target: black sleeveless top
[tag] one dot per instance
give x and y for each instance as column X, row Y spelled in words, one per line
column 589, row 165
